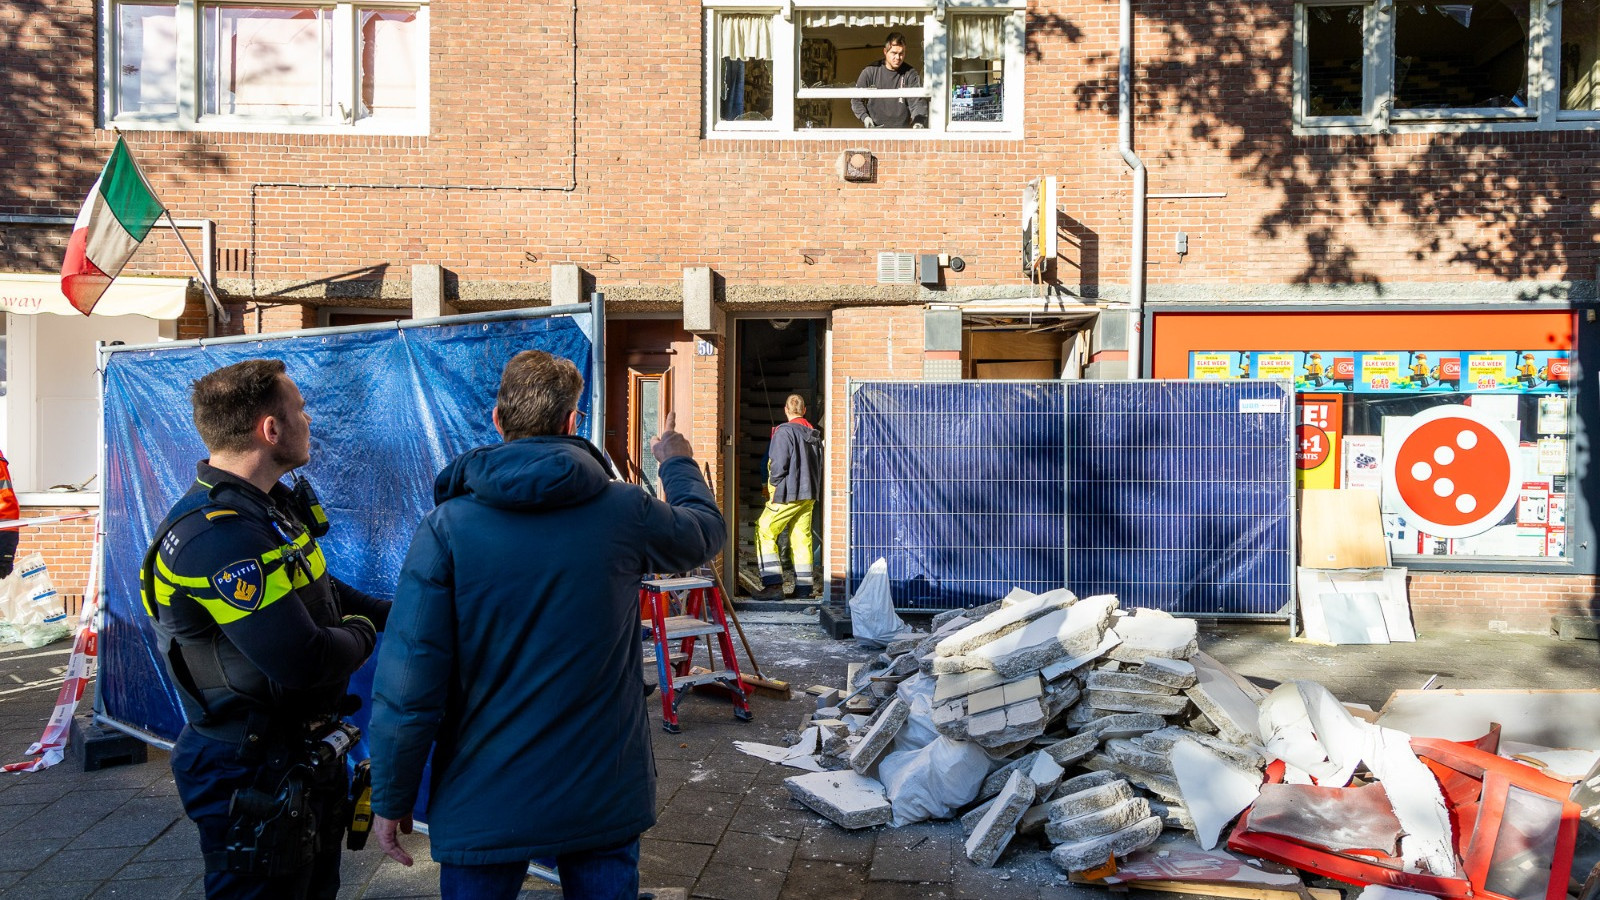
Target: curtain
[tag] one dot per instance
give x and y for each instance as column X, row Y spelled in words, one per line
column 745, row 35
column 826, row 18
column 977, row 37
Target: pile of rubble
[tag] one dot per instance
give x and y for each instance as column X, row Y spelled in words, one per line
column 1017, row 694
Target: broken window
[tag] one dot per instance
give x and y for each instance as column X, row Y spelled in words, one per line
column 1461, row 55
column 1335, row 67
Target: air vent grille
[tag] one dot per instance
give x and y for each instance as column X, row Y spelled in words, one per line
column 897, row 268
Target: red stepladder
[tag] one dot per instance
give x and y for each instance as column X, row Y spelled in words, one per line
column 702, row 616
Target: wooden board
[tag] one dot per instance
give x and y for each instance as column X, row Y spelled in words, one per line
column 1342, row 529
column 997, row 346
column 1029, row 370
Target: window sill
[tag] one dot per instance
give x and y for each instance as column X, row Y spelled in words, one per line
column 1448, row 126
column 247, row 126
column 868, row 135
column 69, row 499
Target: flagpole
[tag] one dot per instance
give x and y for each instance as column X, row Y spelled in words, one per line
column 211, row 294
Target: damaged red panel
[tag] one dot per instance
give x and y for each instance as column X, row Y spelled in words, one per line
column 1518, row 845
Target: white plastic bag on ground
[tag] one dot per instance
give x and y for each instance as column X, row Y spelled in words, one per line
column 31, row 611
column 933, row 782
column 872, row 615
column 918, row 731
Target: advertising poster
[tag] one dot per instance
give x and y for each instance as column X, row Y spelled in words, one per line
column 1218, row 366
column 1552, row 456
column 1488, row 370
column 1523, row 371
column 1433, row 370
column 1558, row 510
column 1281, row 366
column 1316, row 458
column 1325, row 370
column 1379, row 373
column 1363, row 462
column 1555, row 543
column 1533, row 504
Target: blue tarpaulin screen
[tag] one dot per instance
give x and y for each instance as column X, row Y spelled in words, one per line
column 388, row 409
column 1172, row 495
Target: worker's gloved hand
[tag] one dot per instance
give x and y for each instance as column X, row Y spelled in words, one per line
column 867, row 121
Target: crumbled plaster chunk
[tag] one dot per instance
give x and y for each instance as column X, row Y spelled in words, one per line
column 999, row 624
column 1101, row 679
column 1151, row 632
column 847, row 799
column 1122, row 701
column 1090, row 854
column 995, row 830
column 1098, row 824
column 880, row 735
column 1178, row 673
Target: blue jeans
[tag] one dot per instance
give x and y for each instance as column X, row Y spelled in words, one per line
column 609, row 873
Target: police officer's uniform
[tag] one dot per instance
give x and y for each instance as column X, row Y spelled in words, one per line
column 261, row 642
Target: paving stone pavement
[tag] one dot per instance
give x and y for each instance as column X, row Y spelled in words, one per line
column 728, row 829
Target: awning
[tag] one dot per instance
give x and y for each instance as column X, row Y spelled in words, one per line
column 156, row 298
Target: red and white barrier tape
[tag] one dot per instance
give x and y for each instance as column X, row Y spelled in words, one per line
column 46, row 520
column 51, row 747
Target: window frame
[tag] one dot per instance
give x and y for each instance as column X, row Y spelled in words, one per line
column 1542, row 113
column 786, row 37
column 189, row 73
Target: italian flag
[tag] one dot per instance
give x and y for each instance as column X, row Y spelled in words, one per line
column 115, row 218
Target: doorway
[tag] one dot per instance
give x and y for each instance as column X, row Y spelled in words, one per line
column 775, row 358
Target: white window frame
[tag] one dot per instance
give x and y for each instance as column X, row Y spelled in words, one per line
column 935, row 76
column 1542, row 113
column 346, row 75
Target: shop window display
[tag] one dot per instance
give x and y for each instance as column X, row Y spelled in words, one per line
column 1468, row 449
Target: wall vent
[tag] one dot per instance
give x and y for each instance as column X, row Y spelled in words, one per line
column 897, row 268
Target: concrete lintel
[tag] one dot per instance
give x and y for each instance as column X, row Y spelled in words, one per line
column 702, row 315
column 427, row 292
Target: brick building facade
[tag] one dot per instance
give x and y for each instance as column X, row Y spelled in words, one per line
column 553, row 135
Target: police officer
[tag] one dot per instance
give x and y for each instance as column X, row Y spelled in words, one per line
column 261, row 641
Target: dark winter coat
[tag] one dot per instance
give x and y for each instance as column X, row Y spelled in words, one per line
column 513, row 650
column 794, row 462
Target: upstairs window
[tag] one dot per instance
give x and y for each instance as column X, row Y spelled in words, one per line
column 804, row 70
column 235, row 66
column 1412, row 65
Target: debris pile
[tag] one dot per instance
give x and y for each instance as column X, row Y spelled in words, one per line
column 1096, row 729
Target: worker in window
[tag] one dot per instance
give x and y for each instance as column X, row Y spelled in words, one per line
column 794, row 482
column 891, row 73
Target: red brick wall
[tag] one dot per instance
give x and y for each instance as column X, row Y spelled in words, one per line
column 65, row 547
column 868, row 343
column 1500, row 602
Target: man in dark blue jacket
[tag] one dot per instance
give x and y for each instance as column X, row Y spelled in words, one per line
column 513, row 650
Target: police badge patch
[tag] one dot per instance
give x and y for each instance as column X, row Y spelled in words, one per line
column 239, row 584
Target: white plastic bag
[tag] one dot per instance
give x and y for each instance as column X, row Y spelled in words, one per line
column 933, row 782
column 30, row 609
column 872, row 615
column 918, row 731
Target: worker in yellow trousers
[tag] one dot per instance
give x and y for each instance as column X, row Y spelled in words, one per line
column 794, row 482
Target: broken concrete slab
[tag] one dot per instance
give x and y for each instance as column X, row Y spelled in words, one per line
column 1124, row 701
column 1173, row 815
column 1163, row 786
column 903, row 665
column 1131, row 682
column 1015, row 596
column 962, row 684
column 1178, row 673
column 1077, row 661
column 1246, row 756
column 1099, row 823
column 878, row 737
column 1123, row 725
column 971, row 818
column 1092, row 799
column 1074, row 748
column 1003, row 622
column 905, row 642
column 973, row 613
column 995, row 830
column 1084, row 855
column 1018, row 722
column 848, row 799
column 1152, row 632
column 1214, row 789
column 1033, row 821
column 1225, row 703
column 1044, row 772
column 1129, row 752
column 1075, row 630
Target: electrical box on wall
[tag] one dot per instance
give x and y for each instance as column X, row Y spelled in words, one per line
column 928, row 269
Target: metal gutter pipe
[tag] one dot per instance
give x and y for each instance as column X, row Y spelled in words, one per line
column 1136, row 248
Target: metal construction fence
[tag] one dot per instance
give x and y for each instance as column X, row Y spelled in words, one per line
column 1176, row 495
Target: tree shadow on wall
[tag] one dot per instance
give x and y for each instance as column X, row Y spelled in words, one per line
column 1500, row 203
column 49, row 147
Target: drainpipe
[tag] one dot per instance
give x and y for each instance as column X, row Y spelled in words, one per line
column 1125, row 147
